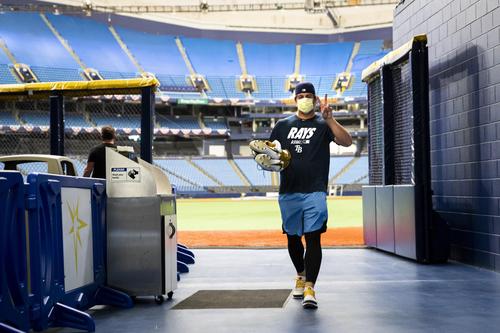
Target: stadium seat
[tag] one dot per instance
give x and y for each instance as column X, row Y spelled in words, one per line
column 36, row 118
column 355, row 172
column 269, row 59
column 155, row 53
column 221, row 170
column 178, row 122
column 251, row 171
column 182, row 168
column 337, row 163
column 7, row 119
column 31, row 41
column 93, row 43
column 6, row 76
column 325, row 59
column 216, row 124
column 117, row 121
column 224, row 64
column 52, row 74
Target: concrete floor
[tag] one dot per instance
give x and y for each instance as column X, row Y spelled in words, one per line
column 359, row 290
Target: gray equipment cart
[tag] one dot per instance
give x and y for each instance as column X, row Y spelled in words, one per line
column 141, row 228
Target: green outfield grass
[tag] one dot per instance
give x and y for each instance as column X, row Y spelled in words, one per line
column 256, row 214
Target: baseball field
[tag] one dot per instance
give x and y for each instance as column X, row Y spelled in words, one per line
column 256, row 222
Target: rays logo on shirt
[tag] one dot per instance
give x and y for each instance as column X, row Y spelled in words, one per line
column 301, row 134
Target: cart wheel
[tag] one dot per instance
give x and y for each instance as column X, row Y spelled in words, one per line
column 170, row 294
column 159, row 299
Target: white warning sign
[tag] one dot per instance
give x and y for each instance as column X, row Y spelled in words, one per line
column 129, row 175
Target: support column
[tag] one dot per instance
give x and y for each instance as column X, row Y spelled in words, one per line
column 56, row 125
column 147, row 121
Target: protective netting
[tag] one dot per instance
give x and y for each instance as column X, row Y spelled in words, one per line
column 403, row 150
column 376, row 132
column 24, row 126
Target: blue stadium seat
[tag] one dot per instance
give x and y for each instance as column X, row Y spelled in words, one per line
column 128, row 121
column 6, row 76
column 369, row 51
column 155, row 53
column 279, row 89
column 337, row 163
column 36, row 118
column 230, row 86
column 264, row 88
column 269, row 59
column 178, row 95
column 111, row 75
column 325, row 86
column 177, row 122
column 7, row 118
column 251, row 171
column 370, row 47
column 182, row 168
column 201, row 53
column 32, row 42
column 179, row 80
column 315, row 80
column 216, row 124
column 75, row 120
column 52, row 74
column 322, row 59
column 93, row 43
column 181, row 185
column 362, row 61
column 358, row 88
column 224, row 87
column 216, row 87
column 221, row 170
column 173, row 80
column 356, row 171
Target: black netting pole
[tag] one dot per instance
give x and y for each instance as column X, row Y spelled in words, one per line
column 148, row 111
column 56, row 125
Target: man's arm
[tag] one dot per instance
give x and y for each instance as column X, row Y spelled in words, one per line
column 88, row 169
column 342, row 136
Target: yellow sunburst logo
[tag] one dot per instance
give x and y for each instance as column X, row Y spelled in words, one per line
column 77, row 224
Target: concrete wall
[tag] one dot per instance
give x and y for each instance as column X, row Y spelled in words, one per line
column 464, row 67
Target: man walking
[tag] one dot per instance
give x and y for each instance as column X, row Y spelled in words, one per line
column 303, row 184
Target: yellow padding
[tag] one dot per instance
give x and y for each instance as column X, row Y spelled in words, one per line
column 80, row 85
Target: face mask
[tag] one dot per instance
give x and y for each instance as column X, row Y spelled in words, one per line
column 305, row 105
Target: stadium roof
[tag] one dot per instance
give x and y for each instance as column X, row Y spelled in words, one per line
column 309, row 16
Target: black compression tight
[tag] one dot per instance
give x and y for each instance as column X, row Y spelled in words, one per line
column 311, row 262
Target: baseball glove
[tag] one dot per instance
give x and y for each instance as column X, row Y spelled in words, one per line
column 269, row 155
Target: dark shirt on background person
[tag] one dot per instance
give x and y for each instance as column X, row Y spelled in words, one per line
column 96, row 162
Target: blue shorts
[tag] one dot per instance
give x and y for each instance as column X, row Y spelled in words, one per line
column 303, row 212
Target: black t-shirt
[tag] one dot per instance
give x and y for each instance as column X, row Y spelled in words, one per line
column 309, row 143
column 98, row 156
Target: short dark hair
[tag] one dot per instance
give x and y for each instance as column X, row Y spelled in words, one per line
column 108, row 133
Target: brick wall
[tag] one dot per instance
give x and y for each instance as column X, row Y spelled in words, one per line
column 464, row 69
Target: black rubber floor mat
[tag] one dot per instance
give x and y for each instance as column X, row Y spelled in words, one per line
column 235, row 299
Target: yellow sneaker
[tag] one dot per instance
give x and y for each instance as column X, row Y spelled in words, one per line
column 300, row 283
column 309, row 301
